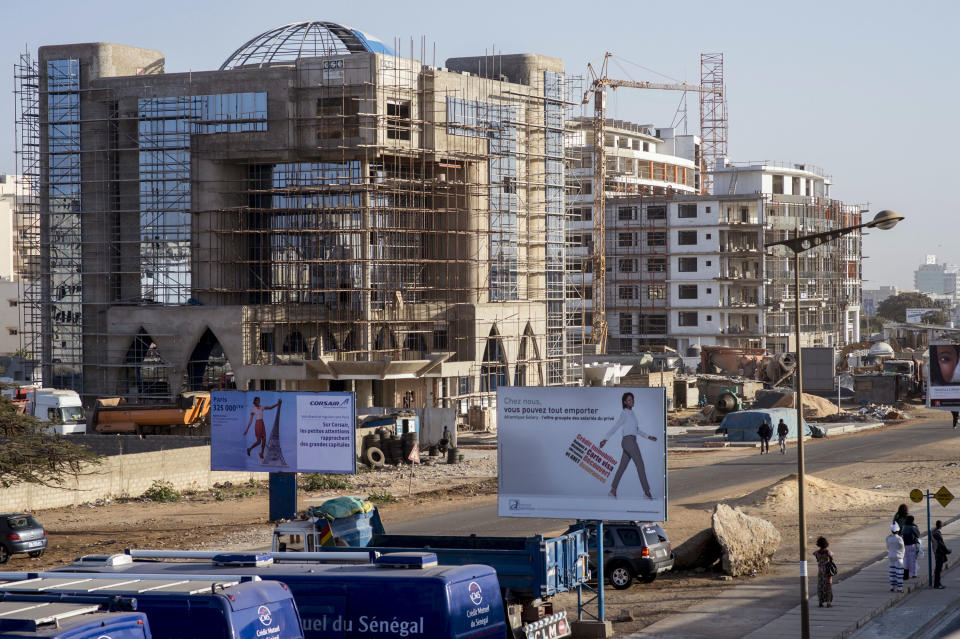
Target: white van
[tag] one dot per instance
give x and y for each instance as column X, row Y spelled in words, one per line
column 61, row 411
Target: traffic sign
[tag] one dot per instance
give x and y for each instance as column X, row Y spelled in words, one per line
column 944, row 496
column 916, row 495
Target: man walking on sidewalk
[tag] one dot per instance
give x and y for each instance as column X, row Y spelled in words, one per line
column 940, row 552
column 782, row 431
column 895, row 556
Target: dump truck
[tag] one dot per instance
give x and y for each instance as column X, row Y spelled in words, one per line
column 190, row 415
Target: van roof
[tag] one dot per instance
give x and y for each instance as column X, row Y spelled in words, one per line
column 288, row 571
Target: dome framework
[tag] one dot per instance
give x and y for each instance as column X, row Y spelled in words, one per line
column 297, row 40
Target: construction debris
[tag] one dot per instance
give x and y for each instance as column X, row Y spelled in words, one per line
column 814, row 407
column 882, row 412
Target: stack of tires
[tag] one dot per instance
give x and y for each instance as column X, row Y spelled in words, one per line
column 409, row 441
column 395, row 450
column 384, row 447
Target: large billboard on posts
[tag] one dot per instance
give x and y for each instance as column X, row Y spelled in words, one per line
column 582, row 453
column 943, row 378
column 269, row 431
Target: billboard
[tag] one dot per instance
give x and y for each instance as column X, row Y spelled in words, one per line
column 582, row 453
column 270, row 431
column 916, row 315
column 943, row 377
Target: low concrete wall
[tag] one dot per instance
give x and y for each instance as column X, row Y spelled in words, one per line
column 125, row 475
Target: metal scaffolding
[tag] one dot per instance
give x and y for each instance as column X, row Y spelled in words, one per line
column 399, row 206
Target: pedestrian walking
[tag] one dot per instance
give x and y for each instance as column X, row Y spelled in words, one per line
column 765, row 432
column 900, row 518
column 826, row 568
column 940, row 552
column 956, row 416
column 911, row 544
column 782, row 431
column 895, row 557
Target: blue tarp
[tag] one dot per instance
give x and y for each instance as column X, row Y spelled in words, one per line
column 742, row 425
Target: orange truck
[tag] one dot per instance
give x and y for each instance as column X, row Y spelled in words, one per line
column 190, row 415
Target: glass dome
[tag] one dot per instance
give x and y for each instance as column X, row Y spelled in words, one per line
column 313, row 39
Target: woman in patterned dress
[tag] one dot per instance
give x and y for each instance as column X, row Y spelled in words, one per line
column 824, row 578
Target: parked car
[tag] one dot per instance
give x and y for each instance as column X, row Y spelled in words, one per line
column 21, row 533
column 631, row 550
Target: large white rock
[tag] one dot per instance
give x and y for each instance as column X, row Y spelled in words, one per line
column 748, row 543
column 700, row 551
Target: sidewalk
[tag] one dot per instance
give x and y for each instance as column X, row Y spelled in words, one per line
column 760, row 610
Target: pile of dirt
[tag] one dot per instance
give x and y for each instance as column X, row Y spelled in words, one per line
column 821, row 496
column 813, row 407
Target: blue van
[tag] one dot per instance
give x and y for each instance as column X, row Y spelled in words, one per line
column 48, row 617
column 176, row 607
column 398, row 594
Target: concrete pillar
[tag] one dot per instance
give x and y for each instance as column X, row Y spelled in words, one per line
column 364, row 390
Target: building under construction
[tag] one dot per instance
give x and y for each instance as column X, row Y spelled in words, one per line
column 691, row 270
column 319, row 213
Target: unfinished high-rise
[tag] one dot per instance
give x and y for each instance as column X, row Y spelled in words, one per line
column 319, row 213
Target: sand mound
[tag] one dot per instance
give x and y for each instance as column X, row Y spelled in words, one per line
column 813, row 407
column 821, row 495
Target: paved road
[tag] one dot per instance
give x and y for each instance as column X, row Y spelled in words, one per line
column 739, row 473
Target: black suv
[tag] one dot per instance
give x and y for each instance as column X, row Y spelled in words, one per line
column 20, row 533
column 631, row 550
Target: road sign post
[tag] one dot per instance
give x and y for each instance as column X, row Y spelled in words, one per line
column 943, row 496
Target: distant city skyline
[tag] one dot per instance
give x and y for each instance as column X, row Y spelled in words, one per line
column 857, row 88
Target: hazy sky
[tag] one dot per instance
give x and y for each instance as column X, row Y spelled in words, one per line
column 867, row 90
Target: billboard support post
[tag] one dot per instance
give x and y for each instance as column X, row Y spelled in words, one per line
column 600, row 610
column 283, row 496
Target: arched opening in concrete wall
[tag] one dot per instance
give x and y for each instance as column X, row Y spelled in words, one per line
column 325, row 343
column 414, row 346
column 350, row 342
column 293, row 343
column 493, row 368
column 208, row 367
column 145, row 372
column 385, row 340
column 528, row 371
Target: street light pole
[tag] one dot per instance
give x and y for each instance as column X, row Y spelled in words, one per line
column 883, row 220
column 801, row 480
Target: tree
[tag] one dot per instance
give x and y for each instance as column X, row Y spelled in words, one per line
column 894, row 308
column 30, row 455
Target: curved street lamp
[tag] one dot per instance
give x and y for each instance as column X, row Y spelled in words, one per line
column 884, row 220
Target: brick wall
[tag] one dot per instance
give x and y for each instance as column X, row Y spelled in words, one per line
column 124, row 475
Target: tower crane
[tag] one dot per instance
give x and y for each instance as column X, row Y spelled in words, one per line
column 599, row 81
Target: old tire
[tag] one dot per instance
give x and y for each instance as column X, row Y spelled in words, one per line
column 374, row 457
column 4, row 554
column 621, row 577
column 37, row 553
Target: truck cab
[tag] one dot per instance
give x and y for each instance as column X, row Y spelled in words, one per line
column 59, row 411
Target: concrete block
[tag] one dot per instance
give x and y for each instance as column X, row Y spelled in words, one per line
column 591, row 629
